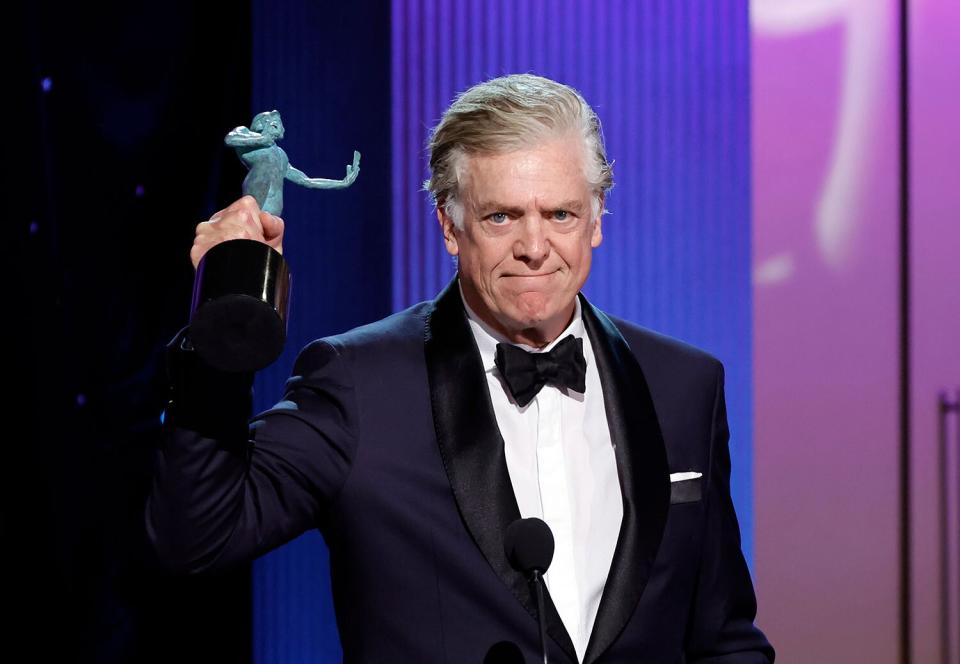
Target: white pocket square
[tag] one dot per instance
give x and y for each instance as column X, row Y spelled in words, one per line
column 688, row 475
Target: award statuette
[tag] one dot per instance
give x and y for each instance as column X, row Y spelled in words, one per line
column 241, row 293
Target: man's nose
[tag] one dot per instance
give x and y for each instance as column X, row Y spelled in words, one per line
column 532, row 244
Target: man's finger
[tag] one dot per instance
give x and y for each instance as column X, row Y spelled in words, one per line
column 272, row 225
column 244, row 202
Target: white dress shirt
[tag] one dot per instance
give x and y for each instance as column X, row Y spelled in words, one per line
column 563, row 470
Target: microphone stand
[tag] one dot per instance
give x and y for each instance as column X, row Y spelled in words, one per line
column 537, row 581
column 529, row 546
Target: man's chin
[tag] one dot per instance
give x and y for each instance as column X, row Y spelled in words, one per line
column 531, row 314
column 540, row 317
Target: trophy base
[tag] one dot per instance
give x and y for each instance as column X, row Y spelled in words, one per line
column 241, row 297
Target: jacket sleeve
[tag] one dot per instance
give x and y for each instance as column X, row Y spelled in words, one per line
column 228, row 487
column 721, row 624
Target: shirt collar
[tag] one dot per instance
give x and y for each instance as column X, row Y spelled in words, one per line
column 488, row 338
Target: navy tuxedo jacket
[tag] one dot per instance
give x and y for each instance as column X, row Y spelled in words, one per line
column 386, row 441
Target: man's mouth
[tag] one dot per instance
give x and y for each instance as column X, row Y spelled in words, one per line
column 530, row 276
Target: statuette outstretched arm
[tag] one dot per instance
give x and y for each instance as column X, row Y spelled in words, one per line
column 297, row 176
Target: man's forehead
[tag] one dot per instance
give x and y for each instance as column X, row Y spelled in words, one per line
column 541, row 202
column 544, row 192
column 553, row 171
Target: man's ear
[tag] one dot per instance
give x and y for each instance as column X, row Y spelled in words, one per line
column 597, row 234
column 449, row 230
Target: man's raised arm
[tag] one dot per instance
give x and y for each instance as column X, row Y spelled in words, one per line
column 228, row 487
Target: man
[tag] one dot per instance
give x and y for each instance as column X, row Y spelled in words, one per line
column 412, row 443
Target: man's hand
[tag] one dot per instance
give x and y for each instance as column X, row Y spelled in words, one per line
column 241, row 220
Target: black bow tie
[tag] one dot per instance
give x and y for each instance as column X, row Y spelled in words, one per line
column 525, row 373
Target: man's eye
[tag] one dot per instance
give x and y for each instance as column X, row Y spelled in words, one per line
column 498, row 217
column 561, row 215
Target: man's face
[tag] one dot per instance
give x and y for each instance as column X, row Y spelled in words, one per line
column 529, row 232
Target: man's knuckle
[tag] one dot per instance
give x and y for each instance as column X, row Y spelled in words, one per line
column 249, row 204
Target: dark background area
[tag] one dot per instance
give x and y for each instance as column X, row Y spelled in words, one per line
column 122, row 156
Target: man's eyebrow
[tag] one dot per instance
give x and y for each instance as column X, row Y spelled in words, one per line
column 493, row 206
column 571, row 205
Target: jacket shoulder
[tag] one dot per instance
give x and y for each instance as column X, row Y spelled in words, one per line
column 657, row 352
column 400, row 331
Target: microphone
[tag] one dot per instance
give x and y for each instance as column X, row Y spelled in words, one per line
column 529, row 545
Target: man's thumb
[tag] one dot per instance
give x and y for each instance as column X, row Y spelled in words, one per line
column 272, row 226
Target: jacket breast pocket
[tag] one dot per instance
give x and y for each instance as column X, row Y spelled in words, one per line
column 687, row 490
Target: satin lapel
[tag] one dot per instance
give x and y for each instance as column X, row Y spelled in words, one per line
column 644, row 477
column 472, row 448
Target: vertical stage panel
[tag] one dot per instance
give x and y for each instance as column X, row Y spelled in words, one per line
column 934, row 254
column 325, row 67
column 670, row 81
column 825, row 127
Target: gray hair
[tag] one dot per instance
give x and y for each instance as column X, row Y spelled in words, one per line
column 511, row 113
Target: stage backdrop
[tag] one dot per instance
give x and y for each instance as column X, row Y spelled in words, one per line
column 844, row 574
column 670, row 82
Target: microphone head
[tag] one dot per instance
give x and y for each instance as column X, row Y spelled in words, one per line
column 528, row 544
